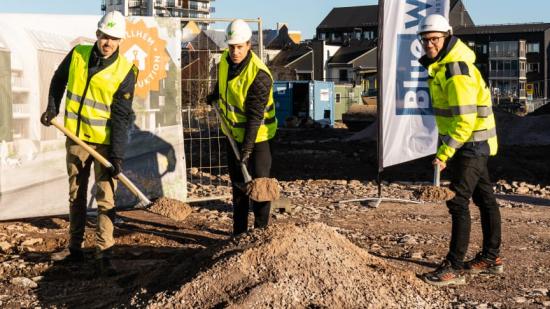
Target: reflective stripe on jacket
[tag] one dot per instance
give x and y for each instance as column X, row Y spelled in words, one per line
column 233, row 95
column 461, row 101
column 88, row 100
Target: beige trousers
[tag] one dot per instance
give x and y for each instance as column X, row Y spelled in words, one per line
column 79, row 164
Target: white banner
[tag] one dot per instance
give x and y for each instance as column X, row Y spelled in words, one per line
column 33, row 173
column 407, row 123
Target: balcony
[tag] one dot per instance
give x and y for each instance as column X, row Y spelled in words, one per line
column 21, row 111
column 500, row 74
column 18, row 84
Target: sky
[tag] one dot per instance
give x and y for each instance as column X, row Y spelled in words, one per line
column 301, row 15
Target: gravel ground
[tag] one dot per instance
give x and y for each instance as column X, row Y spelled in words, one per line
column 322, row 254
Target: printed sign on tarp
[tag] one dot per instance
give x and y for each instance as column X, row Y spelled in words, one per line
column 33, row 173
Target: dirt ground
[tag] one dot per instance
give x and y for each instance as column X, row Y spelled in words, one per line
column 323, row 254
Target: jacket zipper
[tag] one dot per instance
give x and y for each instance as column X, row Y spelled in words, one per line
column 82, row 101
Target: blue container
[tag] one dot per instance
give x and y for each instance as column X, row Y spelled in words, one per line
column 304, row 99
column 282, row 94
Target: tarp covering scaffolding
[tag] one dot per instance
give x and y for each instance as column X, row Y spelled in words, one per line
column 33, row 176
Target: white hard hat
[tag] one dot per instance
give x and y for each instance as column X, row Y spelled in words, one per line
column 113, row 24
column 238, row 32
column 434, row 23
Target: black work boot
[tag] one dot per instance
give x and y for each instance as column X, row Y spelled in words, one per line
column 104, row 266
column 68, row 255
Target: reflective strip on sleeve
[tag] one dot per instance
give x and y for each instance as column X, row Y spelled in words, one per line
column 451, row 142
column 484, row 111
column 477, row 136
column 456, row 68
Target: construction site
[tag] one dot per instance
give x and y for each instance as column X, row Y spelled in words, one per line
column 327, row 244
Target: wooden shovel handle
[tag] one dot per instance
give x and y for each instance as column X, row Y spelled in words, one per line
column 244, row 170
column 125, row 181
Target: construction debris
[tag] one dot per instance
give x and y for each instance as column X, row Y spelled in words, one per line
column 171, row 208
column 433, row 194
column 299, row 266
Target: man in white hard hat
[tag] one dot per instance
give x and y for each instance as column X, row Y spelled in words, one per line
column 462, row 105
column 98, row 109
column 244, row 93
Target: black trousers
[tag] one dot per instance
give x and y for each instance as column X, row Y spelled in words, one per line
column 259, row 165
column 470, row 178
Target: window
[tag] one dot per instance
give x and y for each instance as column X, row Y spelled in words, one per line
column 343, row 75
column 514, row 65
column 322, row 36
column 533, row 47
column 337, row 98
column 358, row 35
column 504, row 49
column 533, row 67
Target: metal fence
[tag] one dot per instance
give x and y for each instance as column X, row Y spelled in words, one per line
column 205, row 146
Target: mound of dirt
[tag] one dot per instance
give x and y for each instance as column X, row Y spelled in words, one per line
column 433, row 194
column 171, row 208
column 298, row 266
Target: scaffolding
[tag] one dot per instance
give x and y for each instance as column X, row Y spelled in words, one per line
column 204, row 142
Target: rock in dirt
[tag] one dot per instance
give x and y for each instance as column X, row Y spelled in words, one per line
column 23, row 282
column 31, row 242
column 433, row 194
column 171, row 208
column 299, row 266
column 5, row 246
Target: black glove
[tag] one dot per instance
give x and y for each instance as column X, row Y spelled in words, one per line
column 48, row 116
column 245, row 156
column 116, row 168
column 211, row 98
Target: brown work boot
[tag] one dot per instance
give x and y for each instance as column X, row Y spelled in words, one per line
column 481, row 264
column 68, row 255
column 445, row 275
column 104, row 266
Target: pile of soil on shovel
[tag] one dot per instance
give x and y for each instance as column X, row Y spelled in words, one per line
column 433, row 194
column 171, row 208
column 299, row 266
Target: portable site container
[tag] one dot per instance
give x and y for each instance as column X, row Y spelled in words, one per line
column 298, row 101
column 345, row 95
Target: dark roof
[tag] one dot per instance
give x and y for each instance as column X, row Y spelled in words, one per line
column 281, row 40
column 504, row 28
column 350, row 17
column 267, row 35
column 459, row 16
column 289, row 54
column 354, row 49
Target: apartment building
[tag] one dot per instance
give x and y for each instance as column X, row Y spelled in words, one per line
column 162, row 8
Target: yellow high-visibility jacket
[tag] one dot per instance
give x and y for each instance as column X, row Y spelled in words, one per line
column 88, row 102
column 461, row 101
column 233, row 95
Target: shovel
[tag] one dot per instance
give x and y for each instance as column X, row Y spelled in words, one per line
column 144, row 201
column 437, row 173
column 261, row 189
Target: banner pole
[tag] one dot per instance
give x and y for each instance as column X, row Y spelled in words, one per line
column 379, row 97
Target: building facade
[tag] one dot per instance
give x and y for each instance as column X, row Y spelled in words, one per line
column 512, row 58
column 162, row 8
